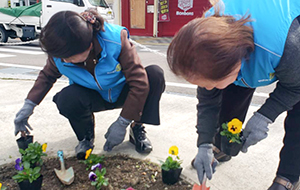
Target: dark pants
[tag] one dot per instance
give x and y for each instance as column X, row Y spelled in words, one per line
column 235, row 104
column 78, row 103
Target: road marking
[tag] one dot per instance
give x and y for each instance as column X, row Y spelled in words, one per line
column 145, row 48
column 21, row 66
column 6, row 55
column 191, row 86
column 21, row 51
column 173, row 84
column 24, row 47
column 182, row 85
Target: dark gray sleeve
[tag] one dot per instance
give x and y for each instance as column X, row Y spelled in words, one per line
column 287, row 91
column 208, row 108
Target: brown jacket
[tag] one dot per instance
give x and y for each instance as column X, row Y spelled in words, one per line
column 134, row 72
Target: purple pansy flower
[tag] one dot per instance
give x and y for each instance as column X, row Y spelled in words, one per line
column 92, row 176
column 19, row 165
column 96, row 166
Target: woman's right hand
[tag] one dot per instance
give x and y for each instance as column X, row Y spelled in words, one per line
column 21, row 120
column 205, row 163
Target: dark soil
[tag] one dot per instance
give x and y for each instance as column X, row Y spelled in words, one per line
column 122, row 172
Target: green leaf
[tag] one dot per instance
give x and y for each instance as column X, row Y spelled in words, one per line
column 22, row 151
column 224, row 126
column 26, row 165
column 36, row 170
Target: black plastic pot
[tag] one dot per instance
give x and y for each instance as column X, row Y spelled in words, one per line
column 228, row 148
column 35, row 185
column 171, row 177
column 24, row 141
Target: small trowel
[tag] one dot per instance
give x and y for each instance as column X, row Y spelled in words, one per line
column 65, row 176
column 201, row 186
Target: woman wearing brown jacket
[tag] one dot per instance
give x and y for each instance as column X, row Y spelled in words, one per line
column 105, row 73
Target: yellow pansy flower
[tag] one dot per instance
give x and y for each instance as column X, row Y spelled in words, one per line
column 0, row 185
column 235, row 126
column 88, row 153
column 173, row 150
column 44, row 147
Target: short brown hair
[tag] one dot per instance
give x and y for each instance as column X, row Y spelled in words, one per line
column 210, row 47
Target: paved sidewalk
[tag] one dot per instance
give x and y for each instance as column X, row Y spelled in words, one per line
column 254, row 170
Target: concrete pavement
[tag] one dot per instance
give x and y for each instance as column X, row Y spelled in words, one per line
column 254, row 170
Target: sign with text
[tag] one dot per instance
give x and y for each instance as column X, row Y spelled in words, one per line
column 185, row 5
column 163, row 8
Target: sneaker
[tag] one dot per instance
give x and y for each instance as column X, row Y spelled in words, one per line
column 138, row 137
column 82, row 147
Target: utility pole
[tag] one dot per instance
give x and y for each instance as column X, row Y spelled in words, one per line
column 155, row 20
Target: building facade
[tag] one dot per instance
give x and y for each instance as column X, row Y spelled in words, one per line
column 157, row 17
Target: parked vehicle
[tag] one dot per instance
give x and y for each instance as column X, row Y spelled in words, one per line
column 24, row 19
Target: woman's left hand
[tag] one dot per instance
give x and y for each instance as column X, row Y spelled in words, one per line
column 255, row 130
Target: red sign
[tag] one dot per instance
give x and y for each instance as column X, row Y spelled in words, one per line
column 163, row 8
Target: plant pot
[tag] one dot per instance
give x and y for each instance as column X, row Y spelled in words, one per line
column 24, row 141
column 228, row 148
column 171, row 177
column 35, row 185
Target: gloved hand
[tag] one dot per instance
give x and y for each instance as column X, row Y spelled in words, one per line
column 205, row 162
column 255, row 130
column 21, row 120
column 116, row 133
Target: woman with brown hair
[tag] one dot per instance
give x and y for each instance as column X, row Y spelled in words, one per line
column 234, row 48
column 105, row 73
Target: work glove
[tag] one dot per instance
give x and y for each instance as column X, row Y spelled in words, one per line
column 256, row 130
column 21, row 120
column 116, row 133
column 205, row 163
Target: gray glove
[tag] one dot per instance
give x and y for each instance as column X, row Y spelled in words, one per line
column 255, row 130
column 205, row 163
column 21, row 120
column 116, row 133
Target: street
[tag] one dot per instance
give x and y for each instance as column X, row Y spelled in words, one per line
column 27, row 60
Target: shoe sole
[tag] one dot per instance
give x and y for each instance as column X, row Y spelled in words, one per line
column 81, row 156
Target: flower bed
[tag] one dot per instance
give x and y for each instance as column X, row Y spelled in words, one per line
column 121, row 170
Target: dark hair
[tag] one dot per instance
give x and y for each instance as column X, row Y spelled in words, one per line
column 210, row 47
column 67, row 33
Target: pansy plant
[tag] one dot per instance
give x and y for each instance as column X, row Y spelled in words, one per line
column 232, row 130
column 27, row 173
column 92, row 159
column 29, row 165
column 97, row 176
column 34, row 153
column 173, row 161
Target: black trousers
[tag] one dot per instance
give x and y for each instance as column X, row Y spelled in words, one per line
column 235, row 104
column 78, row 103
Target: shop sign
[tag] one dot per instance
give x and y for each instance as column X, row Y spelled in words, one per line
column 163, row 8
column 185, row 5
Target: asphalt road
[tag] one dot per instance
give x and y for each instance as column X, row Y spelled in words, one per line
column 28, row 59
